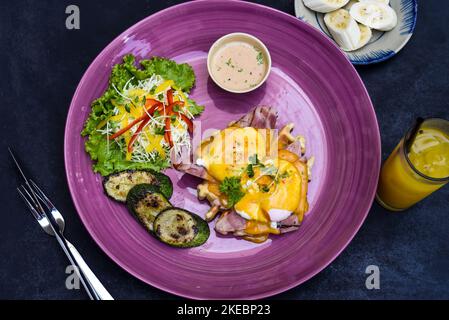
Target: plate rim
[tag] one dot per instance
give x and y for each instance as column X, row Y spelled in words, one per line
column 384, row 57
column 167, row 289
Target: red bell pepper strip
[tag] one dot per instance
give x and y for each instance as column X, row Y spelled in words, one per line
column 186, row 120
column 170, row 96
column 151, row 102
column 183, row 116
column 167, row 133
column 176, row 104
column 155, row 105
column 152, row 107
column 136, row 134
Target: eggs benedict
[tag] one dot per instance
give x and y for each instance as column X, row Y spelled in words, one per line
column 256, row 185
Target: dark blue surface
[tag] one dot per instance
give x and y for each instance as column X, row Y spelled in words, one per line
column 41, row 63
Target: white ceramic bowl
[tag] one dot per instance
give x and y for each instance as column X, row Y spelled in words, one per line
column 242, row 37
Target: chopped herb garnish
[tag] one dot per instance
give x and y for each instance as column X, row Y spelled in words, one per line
column 265, row 188
column 176, row 108
column 173, row 118
column 240, row 70
column 156, row 114
column 229, row 62
column 153, row 90
column 253, row 159
column 232, row 189
column 160, row 96
column 136, row 99
column 159, row 130
column 250, row 170
column 144, row 99
column 284, row 175
column 259, row 58
column 127, row 108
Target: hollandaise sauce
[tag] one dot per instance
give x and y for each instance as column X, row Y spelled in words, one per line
column 262, row 188
column 408, row 177
column 270, row 198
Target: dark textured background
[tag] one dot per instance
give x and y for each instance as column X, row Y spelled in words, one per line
column 41, row 63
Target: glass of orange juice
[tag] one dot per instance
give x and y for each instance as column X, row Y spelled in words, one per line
column 418, row 166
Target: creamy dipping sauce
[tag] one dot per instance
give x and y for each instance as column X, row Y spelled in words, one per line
column 239, row 66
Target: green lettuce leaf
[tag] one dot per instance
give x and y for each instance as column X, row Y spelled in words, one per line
column 194, row 108
column 181, row 74
column 110, row 158
column 102, row 107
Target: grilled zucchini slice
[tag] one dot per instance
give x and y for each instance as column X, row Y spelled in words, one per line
column 146, row 201
column 164, row 183
column 180, row 228
column 117, row 185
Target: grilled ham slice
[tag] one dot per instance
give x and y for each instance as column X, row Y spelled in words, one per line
column 261, row 117
column 231, row 223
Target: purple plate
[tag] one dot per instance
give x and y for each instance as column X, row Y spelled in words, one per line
column 311, row 83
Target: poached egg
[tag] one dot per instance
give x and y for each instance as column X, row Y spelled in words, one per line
column 270, row 184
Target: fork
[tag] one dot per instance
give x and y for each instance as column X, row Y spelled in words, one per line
column 52, row 222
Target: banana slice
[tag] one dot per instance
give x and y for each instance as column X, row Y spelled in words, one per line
column 325, row 6
column 350, row 4
column 375, row 15
column 344, row 29
column 381, row 1
column 365, row 37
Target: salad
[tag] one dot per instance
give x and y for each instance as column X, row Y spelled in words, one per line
column 144, row 115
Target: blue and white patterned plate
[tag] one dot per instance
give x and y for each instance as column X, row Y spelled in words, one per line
column 383, row 45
